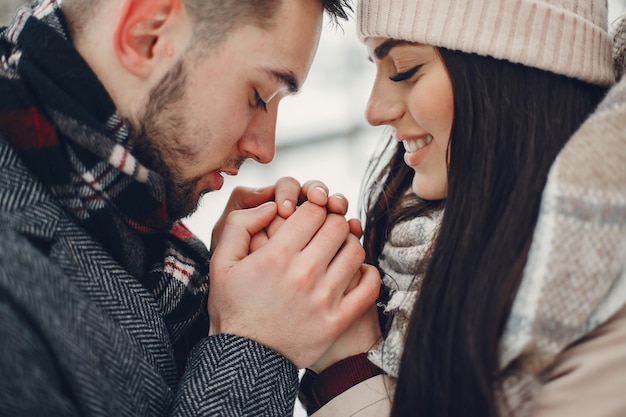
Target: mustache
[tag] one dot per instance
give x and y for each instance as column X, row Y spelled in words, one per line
column 234, row 164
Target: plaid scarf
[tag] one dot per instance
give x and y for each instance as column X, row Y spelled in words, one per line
column 64, row 126
column 575, row 277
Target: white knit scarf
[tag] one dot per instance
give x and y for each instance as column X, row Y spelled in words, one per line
column 407, row 245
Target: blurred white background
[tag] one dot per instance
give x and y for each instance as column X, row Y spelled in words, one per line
column 321, row 132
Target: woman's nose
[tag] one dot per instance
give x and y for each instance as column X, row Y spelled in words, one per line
column 383, row 106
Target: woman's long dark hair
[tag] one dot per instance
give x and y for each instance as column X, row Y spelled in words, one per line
column 510, row 122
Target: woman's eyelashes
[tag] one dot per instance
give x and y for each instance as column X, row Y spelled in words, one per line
column 402, row 76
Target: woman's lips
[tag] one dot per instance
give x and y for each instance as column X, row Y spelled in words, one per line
column 416, row 149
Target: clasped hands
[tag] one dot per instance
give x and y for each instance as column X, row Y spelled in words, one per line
column 287, row 271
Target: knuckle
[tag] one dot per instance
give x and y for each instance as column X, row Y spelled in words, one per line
column 232, row 216
column 288, row 180
column 306, row 278
column 277, row 256
column 238, row 191
column 313, row 210
column 338, row 222
column 335, row 324
column 354, row 248
column 313, row 183
column 287, row 185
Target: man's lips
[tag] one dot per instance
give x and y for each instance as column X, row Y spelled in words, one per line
column 218, row 179
column 230, row 172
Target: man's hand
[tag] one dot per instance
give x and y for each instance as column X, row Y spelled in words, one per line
column 287, row 193
column 297, row 292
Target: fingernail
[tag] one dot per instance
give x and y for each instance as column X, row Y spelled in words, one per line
column 322, row 190
column 289, row 205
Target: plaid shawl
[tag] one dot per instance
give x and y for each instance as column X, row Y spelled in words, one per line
column 575, row 277
column 64, row 126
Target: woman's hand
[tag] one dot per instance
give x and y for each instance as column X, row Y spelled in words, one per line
column 287, row 193
column 362, row 336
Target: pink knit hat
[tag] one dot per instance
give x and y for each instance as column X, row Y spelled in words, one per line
column 567, row 37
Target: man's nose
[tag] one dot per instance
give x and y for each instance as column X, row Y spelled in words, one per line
column 259, row 140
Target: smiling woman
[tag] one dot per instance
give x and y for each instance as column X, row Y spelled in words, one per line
column 413, row 79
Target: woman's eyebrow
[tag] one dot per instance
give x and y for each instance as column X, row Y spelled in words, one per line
column 382, row 50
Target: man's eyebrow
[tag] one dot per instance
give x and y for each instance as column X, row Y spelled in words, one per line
column 286, row 77
column 382, row 50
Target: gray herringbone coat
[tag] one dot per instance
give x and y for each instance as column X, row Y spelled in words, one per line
column 80, row 336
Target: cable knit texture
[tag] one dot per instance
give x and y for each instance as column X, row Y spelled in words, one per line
column 567, row 37
column 408, row 243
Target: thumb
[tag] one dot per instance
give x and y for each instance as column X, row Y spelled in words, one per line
column 246, row 197
column 362, row 295
column 239, row 227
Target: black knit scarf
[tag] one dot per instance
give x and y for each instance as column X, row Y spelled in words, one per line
column 63, row 124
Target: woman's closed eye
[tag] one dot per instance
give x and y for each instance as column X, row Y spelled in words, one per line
column 402, row 76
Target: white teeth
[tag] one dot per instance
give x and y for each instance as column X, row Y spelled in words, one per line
column 417, row 144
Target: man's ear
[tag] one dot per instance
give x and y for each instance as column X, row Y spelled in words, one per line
column 139, row 28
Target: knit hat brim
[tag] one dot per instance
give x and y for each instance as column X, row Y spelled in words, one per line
column 541, row 34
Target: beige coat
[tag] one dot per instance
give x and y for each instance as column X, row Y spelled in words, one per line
column 587, row 380
column 368, row 398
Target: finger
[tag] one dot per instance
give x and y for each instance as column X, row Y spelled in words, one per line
column 287, row 192
column 337, row 203
column 328, row 241
column 274, row 226
column 264, row 235
column 258, row 240
column 240, row 198
column 248, row 197
column 355, row 227
column 298, row 230
column 345, row 264
column 360, row 298
column 354, row 282
column 316, row 192
column 239, row 228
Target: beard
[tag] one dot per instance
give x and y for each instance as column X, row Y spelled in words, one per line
column 155, row 138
